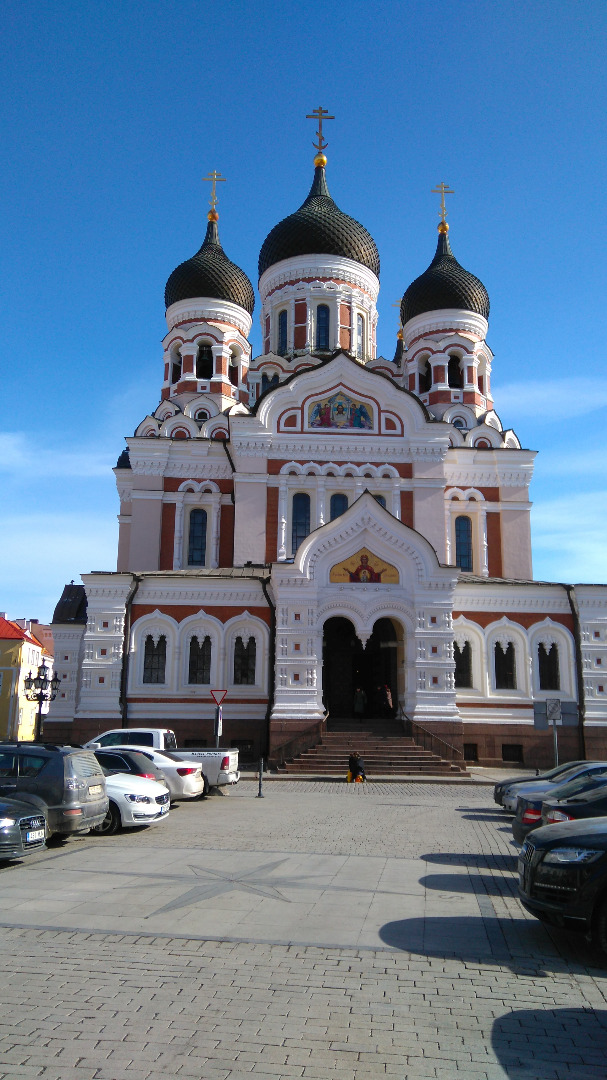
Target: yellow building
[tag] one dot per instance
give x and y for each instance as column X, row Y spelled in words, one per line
column 20, row 653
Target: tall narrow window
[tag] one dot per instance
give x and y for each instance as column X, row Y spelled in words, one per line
column 505, row 666
column 322, row 327
column 204, row 362
column 455, row 377
column 282, row 334
column 548, row 659
column 360, row 337
column 425, row 377
column 176, row 368
column 463, row 543
column 339, row 505
column 463, row 664
column 301, row 519
column 244, row 662
column 200, row 660
column 197, row 541
column 267, row 383
column 154, row 659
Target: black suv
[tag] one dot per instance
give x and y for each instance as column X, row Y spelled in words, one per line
column 563, row 876
column 66, row 784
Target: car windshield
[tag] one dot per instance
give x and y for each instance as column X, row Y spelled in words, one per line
column 591, row 796
column 566, row 791
column 570, row 774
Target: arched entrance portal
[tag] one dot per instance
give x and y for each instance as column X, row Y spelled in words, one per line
column 347, row 665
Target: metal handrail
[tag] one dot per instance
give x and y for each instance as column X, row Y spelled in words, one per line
column 412, row 728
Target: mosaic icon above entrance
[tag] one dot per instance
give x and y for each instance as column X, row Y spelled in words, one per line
column 364, row 568
column 341, row 411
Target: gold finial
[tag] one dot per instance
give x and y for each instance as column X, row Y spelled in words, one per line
column 215, row 178
column 400, row 325
column 320, row 114
column 442, row 190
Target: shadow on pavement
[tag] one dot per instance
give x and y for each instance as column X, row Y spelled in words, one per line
column 485, row 815
column 468, row 858
column 533, row 1044
column 453, row 883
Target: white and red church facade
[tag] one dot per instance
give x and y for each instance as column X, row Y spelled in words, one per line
column 319, row 520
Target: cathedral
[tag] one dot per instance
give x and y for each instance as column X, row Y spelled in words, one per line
column 321, row 532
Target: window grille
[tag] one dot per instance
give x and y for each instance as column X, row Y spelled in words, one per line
column 338, row 505
column 322, row 326
column 548, row 660
column 505, row 667
column 154, row 659
column 200, row 660
column 463, row 543
column 463, row 665
column 301, row 519
column 197, row 541
column 245, row 657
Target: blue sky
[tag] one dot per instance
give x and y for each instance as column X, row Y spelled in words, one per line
column 113, row 112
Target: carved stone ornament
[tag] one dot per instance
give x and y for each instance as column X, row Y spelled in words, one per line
column 504, row 640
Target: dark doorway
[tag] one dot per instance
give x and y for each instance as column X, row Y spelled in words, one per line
column 346, row 666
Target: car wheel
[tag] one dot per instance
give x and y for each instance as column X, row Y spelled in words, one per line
column 111, row 822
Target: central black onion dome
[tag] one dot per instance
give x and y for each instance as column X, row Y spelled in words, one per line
column 445, row 284
column 210, row 273
column 319, row 227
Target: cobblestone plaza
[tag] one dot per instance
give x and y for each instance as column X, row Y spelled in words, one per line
column 325, row 931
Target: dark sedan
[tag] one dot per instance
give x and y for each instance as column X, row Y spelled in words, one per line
column 589, row 804
column 527, row 778
column 22, row 829
column 529, row 808
column 563, row 877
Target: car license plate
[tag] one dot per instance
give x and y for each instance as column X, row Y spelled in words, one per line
column 164, row 810
column 35, row 834
column 96, row 789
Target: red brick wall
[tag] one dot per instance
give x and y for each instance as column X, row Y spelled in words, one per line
column 167, row 537
column 494, row 544
column 226, row 536
column 271, row 525
column 406, row 508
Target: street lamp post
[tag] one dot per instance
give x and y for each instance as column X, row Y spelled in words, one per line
column 41, row 688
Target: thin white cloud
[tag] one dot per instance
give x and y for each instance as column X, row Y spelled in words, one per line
column 549, row 401
column 23, row 457
column 568, row 535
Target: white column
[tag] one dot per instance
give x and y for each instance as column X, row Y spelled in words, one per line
column 178, row 544
column 483, row 543
column 291, row 326
column 395, row 500
column 448, row 521
column 320, row 500
column 215, row 519
column 282, row 519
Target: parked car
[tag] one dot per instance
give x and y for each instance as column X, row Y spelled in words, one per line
column 64, row 783
column 529, row 808
column 130, row 761
column 133, row 801
column 220, row 766
column 536, row 787
column 563, row 876
column 522, row 778
column 22, row 829
column 587, row 804
column 184, row 779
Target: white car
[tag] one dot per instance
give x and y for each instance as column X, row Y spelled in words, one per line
column 185, row 779
column 134, row 800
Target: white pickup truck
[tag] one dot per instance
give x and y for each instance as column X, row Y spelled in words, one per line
column 219, row 766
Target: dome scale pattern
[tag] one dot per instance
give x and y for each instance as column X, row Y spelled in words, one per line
column 445, row 284
column 210, row 273
column 319, row 227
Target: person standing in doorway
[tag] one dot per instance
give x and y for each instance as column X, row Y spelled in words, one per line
column 360, row 704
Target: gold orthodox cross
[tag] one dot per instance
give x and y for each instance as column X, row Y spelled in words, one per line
column 320, row 114
column 442, row 190
column 398, row 305
column 215, row 178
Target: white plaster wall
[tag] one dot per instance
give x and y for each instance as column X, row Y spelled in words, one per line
column 516, row 544
column 250, row 521
column 144, row 548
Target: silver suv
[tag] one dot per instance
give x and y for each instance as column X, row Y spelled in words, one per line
column 67, row 784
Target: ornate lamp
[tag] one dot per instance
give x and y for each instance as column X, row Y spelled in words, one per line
column 41, row 688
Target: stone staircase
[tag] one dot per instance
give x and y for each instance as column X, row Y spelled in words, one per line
column 385, row 750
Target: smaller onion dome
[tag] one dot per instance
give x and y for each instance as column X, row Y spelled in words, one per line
column 124, row 460
column 210, row 273
column 445, row 284
column 319, row 227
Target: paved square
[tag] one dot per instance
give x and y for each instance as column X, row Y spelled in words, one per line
column 327, row 930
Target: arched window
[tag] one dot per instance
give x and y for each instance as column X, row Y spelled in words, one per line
column 154, row 659
column 244, row 662
column 199, row 670
column 281, row 347
column 175, row 367
column 202, row 415
column 197, row 540
column 360, row 337
column 322, row 327
column 463, row 664
column 204, row 362
column 301, row 519
column 463, row 543
column 267, row 383
column 505, row 666
column 339, row 505
column 381, row 499
column 455, row 377
column 459, row 422
column 548, row 660
column 425, row 377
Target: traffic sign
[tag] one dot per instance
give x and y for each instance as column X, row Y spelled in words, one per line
column 553, row 710
column 218, row 696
